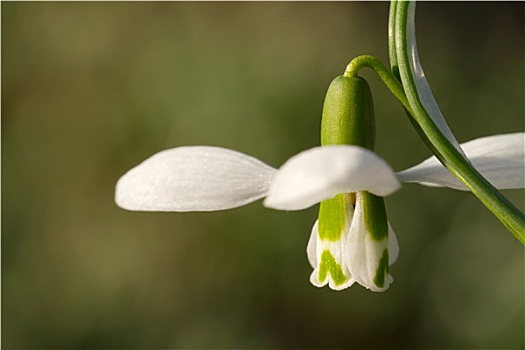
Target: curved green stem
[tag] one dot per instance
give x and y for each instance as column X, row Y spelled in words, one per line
column 451, row 156
column 447, row 153
column 391, row 81
column 367, row 61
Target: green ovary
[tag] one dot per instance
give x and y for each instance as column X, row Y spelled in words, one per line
column 329, row 265
column 382, row 270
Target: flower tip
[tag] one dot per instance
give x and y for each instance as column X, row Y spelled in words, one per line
column 132, row 194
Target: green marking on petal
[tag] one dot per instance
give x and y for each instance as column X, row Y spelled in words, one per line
column 333, row 217
column 329, row 265
column 375, row 216
column 382, row 270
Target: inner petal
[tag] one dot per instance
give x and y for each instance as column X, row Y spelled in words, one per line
column 327, row 244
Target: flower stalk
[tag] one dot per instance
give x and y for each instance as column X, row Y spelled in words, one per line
column 426, row 117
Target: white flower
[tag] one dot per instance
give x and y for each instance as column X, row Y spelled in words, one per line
column 204, row 178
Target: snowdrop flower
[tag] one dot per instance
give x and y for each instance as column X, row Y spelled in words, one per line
column 352, row 240
column 204, row 178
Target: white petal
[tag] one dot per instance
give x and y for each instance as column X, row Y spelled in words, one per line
column 365, row 254
column 499, row 158
column 322, row 172
column 194, row 178
column 316, row 248
column 423, row 88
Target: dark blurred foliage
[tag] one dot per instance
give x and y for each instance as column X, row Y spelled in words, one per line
column 90, row 89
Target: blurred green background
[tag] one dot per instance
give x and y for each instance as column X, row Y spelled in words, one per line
column 91, row 89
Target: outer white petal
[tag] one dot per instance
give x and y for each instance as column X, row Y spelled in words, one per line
column 423, row 88
column 322, row 172
column 194, row 178
column 364, row 253
column 499, row 158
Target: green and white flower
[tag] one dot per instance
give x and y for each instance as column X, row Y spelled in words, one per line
column 352, row 248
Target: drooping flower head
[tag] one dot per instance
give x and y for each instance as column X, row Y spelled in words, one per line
column 352, row 240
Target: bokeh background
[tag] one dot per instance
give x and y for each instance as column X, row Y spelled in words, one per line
column 89, row 90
